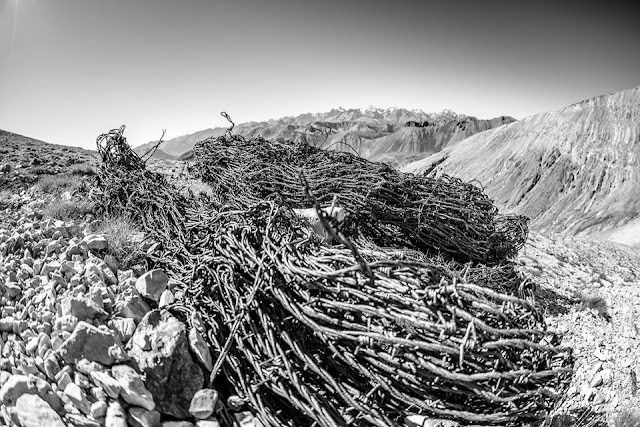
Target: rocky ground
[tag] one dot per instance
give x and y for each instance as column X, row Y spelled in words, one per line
column 85, row 340
column 591, row 292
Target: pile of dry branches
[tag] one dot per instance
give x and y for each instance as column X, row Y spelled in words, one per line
column 390, row 208
column 350, row 334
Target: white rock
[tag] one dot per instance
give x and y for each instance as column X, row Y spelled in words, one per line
column 152, row 284
column 98, row 409
column 166, row 298
column 200, row 348
column 96, row 241
column 424, row 421
column 78, row 397
column 203, row 403
column 32, row 411
column 140, row 417
column 115, row 415
column 106, row 382
column 133, row 391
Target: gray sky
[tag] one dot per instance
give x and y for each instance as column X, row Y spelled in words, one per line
column 72, row 69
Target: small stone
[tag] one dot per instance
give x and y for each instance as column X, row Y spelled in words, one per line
column 66, row 323
column 98, row 393
column 587, row 392
column 599, row 399
column 112, row 262
column 96, row 242
column 235, row 402
column 425, row 421
column 17, row 385
column 110, row 385
column 98, row 409
column 209, row 422
column 134, row 307
column 64, row 380
column 200, row 349
column 95, row 344
column 247, row 419
column 12, row 290
column 81, row 380
column 166, row 298
column 133, row 390
column 203, row 403
column 78, row 397
column 87, row 366
column 125, row 327
column 115, row 415
column 82, row 307
column 32, row 411
column 140, row 417
column 51, row 366
column 76, row 420
column 152, row 284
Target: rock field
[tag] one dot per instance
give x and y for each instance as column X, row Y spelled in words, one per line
column 85, row 343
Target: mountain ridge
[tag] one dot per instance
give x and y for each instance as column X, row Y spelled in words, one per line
column 572, row 171
column 374, row 133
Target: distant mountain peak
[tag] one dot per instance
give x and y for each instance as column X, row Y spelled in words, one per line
column 376, row 133
column 572, row 171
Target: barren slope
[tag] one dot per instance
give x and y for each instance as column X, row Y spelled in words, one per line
column 571, row 171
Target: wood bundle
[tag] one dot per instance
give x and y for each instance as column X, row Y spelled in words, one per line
column 443, row 215
column 351, row 334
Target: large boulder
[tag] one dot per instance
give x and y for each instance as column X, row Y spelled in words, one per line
column 160, row 349
column 94, row 344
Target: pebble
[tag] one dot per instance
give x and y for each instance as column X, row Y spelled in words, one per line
column 152, row 284
column 98, row 409
column 109, row 384
column 140, row 417
column 78, row 397
column 200, row 349
column 77, row 420
column 425, row 421
column 116, row 416
column 96, row 242
column 32, row 411
column 203, row 403
column 133, row 390
column 209, row 422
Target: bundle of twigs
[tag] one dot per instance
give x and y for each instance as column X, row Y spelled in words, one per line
column 317, row 338
column 128, row 188
column 351, row 334
column 444, row 215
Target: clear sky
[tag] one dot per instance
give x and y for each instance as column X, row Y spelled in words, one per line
column 72, row 69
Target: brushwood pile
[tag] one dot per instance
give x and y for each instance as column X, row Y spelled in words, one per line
column 412, row 308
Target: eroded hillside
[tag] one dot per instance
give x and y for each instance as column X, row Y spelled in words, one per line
column 572, row 171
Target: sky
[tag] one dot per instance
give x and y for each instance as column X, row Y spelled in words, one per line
column 73, row 69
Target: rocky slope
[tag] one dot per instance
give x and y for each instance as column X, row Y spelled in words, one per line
column 591, row 295
column 24, row 160
column 574, row 171
column 391, row 135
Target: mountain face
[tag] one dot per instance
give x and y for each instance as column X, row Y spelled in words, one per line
column 572, row 171
column 392, row 135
